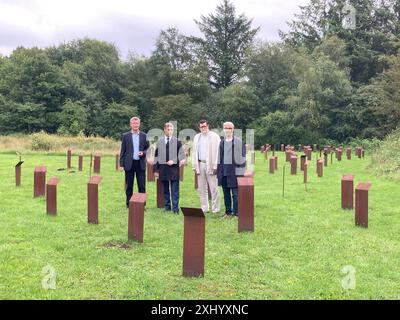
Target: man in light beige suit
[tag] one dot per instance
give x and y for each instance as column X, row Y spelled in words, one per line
column 204, row 163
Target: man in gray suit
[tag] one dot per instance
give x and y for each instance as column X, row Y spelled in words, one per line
column 169, row 157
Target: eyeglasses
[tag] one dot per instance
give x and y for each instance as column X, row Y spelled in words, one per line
column 228, row 128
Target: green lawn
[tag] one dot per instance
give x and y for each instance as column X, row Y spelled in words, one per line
column 300, row 244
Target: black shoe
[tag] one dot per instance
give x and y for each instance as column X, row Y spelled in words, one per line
column 167, row 210
column 176, row 212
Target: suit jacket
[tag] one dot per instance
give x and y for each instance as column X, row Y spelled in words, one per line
column 237, row 165
column 211, row 153
column 162, row 154
column 126, row 155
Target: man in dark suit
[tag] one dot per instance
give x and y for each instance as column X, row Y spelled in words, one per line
column 232, row 163
column 133, row 158
column 169, row 157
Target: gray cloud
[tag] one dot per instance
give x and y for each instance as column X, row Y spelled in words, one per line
column 130, row 31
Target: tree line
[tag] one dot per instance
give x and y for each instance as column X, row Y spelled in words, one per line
column 321, row 82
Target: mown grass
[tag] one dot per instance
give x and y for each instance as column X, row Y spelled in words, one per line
column 300, row 244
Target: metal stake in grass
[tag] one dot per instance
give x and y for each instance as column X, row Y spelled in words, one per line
column 283, row 181
column 90, row 167
column 18, row 154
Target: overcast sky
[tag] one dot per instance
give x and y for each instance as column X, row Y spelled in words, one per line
column 132, row 25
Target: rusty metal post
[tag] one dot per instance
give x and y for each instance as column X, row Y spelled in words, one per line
column 150, row 171
column 80, row 162
column 339, row 154
column 245, row 204
column 181, row 172
column 51, row 196
column 69, row 156
column 160, row 197
column 302, row 161
column 347, row 191
column 196, row 181
column 288, row 155
column 320, row 167
column 194, row 227
column 271, row 165
column 97, row 160
column 305, row 167
column 18, row 169
column 325, row 159
column 39, row 188
column 117, row 162
column 93, row 199
column 293, row 165
column 348, row 153
column 309, row 154
column 361, row 212
column 136, row 216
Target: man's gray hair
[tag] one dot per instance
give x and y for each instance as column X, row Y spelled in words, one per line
column 134, row 118
column 229, row 124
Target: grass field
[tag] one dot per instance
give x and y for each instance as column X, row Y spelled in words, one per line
column 300, row 244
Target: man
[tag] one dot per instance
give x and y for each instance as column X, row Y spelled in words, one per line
column 232, row 163
column 133, row 158
column 204, row 163
column 169, row 157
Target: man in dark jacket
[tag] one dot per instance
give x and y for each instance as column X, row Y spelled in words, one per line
column 169, row 157
column 133, row 158
column 232, row 163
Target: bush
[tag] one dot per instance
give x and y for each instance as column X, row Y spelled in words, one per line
column 386, row 158
column 367, row 144
column 41, row 141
